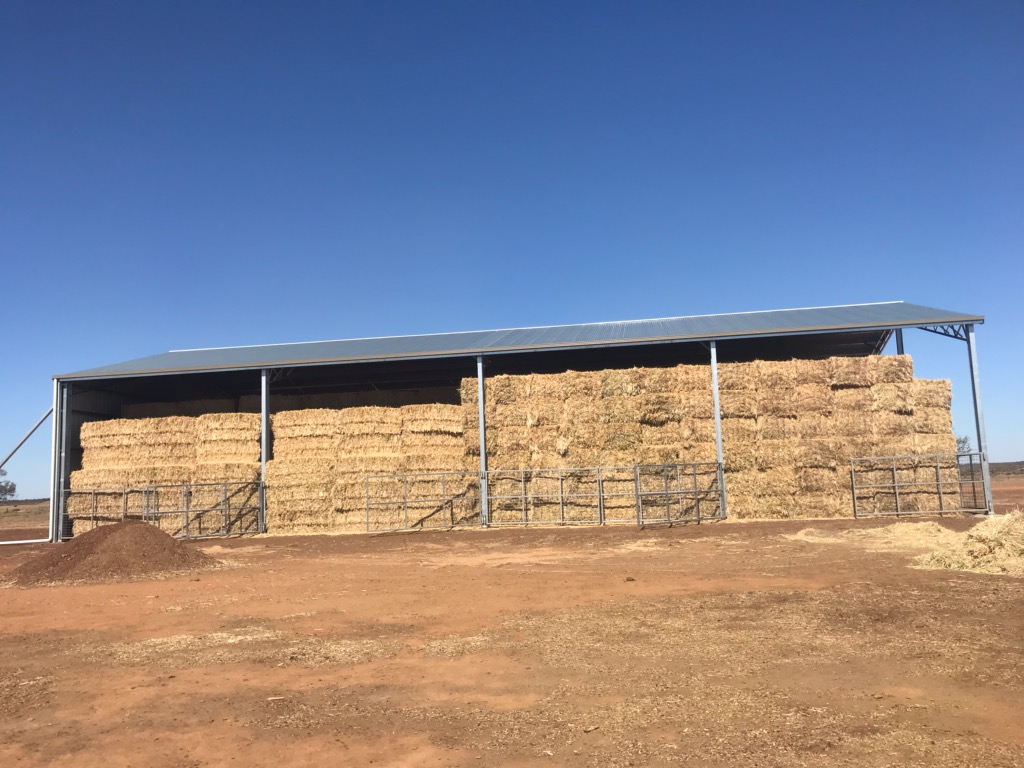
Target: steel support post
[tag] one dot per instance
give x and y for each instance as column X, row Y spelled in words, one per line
column 979, row 417
column 55, row 464
column 718, row 426
column 899, row 341
column 485, row 514
column 261, row 522
column 62, row 458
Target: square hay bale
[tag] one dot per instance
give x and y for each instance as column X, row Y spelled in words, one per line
column 849, row 423
column 858, row 400
column 628, row 382
column 891, row 369
column 888, row 424
column 503, row 389
column 775, row 374
column 433, row 418
column 778, row 428
column 932, row 421
column 617, row 409
column 931, row 393
column 822, row 453
column 739, row 403
column 893, row 398
column 813, row 372
column 693, row 379
column 776, row 455
column 696, row 404
column 814, row 425
column 658, row 409
column 621, row 438
column 850, row 372
column 737, row 377
column 814, row 399
column 782, row 401
column 376, row 420
column 817, row 480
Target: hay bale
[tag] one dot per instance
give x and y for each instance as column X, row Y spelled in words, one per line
column 850, row 372
column 891, row 369
column 813, row 372
column 931, row 393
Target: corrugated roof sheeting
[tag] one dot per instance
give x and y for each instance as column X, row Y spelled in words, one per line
column 697, row 328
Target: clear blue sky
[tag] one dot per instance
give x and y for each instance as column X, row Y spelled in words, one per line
column 192, row 174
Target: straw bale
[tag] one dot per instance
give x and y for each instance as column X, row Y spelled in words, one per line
column 891, row 369
column 695, row 404
column 374, row 420
column 739, row 431
column 849, row 372
column 737, row 376
column 692, row 432
column 887, row 424
column 811, row 480
column 775, row 374
column 740, row 456
column 822, row 453
column 849, row 423
column 778, row 428
column 620, row 437
column 693, row 378
column 813, row 425
column 853, row 399
column 617, row 409
column 739, row 403
column 582, row 409
column 935, row 444
column 623, row 383
column 775, row 454
column 931, row 393
column 893, row 398
column 432, row 419
column 933, row 421
column 777, row 402
column 812, row 372
column 814, row 398
column 99, row 478
column 826, row 505
column 657, row 409
column 502, row 389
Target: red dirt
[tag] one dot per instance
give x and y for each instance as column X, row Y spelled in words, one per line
column 718, row 645
column 121, row 552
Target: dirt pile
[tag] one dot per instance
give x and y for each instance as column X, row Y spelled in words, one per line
column 119, row 552
column 993, row 546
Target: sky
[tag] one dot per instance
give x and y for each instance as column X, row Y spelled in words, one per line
column 195, row 174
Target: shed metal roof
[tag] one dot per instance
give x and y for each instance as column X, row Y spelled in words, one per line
column 780, row 322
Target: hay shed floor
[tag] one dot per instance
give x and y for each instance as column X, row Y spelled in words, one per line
column 716, row 645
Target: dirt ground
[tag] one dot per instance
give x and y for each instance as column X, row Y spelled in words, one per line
column 712, row 645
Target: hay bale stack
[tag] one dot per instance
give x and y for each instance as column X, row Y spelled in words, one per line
column 121, row 454
column 600, row 418
column 327, row 460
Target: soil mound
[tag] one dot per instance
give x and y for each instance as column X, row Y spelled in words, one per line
column 119, row 552
column 993, row 546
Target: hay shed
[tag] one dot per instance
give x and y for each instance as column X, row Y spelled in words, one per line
column 782, row 401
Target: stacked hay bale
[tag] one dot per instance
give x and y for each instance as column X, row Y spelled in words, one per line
column 317, row 480
column 789, row 429
column 120, row 454
column 610, row 418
